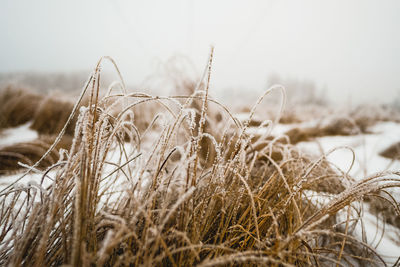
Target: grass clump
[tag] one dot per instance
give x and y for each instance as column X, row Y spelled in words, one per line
column 17, row 106
column 391, row 152
column 47, row 114
column 28, row 153
column 51, row 115
column 330, row 127
column 114, row 201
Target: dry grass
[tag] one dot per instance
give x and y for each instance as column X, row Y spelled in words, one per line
column 51, row 115
column 383, row 204
column 336, row 127
column 366, row 116
column 17, row 106
column 248, row 208
column 331, row 126
column 392, row 152
column 30, row 152
column 48, row 114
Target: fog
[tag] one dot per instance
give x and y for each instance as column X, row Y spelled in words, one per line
column 350, row 49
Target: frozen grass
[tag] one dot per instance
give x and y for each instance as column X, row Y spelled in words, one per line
column 370, row 153
column 247, row 204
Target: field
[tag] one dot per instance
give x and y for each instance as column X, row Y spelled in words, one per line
column 122, row 178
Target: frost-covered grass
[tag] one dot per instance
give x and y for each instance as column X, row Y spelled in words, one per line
column 192, row 186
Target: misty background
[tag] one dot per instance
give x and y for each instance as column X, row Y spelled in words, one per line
column 348, row 51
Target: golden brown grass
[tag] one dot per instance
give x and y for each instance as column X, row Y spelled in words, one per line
column 30, row 152
column 392, row 152
column 334, row 126
column 51, row 115
column 17, row 106
column 384, row 205
column 48, row 114
column 250, row 207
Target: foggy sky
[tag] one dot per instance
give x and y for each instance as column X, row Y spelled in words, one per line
column 350, row 47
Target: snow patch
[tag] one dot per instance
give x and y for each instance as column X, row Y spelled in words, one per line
column 18, row 134
column 366, row 150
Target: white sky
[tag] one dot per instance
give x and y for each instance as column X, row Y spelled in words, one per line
column 350, row 46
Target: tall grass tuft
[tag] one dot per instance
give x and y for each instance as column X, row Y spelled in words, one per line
column 47, row 114
column 17, row 106
column 52, row 114
column 115, row 201
column 12, row 156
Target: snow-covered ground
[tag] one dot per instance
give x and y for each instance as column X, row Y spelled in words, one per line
column 366, row 149
column 18, row 134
